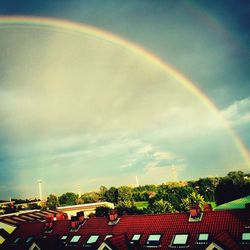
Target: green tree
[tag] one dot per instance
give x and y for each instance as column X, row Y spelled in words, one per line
column 125, row 196
column 68, row 199
column 161, row 206
column 192, row 199
column 52, row 202
column 102, row 211
column 112, row 195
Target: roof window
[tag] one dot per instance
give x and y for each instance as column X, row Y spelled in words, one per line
column 17, row 240
column 245, row 237
column 153, row 240
column 202, row 238
column 92, row 239
column 64, row 237
column 135, row 238
column 29, row 239
column 180, row 240
column 74, row 240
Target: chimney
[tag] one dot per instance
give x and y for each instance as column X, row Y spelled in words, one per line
column 80, row 216
column 195, row 213
column 74, row 223
column 207, row 207
column 49, row 223
column 113, row 217
column 61, row 216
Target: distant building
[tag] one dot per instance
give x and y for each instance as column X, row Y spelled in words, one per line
column 210, row 230
column 88, row 208
column 9, row 222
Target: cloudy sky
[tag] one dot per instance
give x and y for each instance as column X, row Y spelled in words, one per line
column 104, row 98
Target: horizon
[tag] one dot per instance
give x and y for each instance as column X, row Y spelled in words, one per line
column 103, row 93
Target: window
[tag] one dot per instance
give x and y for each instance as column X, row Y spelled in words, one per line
column 135, row 238
column 245, row 237
column 153, row 240
column 180, row 239
column 17, row 240
column 74, row 240
column 202, row 238
column 64, row 237
column 92, row 239
column 29, row 239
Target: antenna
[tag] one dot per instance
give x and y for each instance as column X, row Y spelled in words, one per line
column 136, row 181
column 40, row 189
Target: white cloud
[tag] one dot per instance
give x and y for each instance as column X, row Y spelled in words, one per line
column 163, row 156
column 238, row 113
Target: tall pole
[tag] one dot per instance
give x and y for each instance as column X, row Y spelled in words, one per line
column 40, row 189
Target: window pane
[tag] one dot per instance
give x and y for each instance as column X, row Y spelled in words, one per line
column 136, row 237
column 64, row 237
column 75, row 238
column 180, row 239
column 203, row 237
column 29, row 239
column 154, row 237
column 246, row 236
column 92, row 239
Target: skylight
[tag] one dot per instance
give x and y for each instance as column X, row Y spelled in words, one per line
column 75, row 239
column 92, row 239
column 29, row 239
column 64, row 237
column 246, row 236
column 180, row 239
column 153, row 240
column 203, row 237
column 136, row 237
column 17, row 240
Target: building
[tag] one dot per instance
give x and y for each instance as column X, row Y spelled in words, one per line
column 9, row 222
column 208, row 230
column 88, row 208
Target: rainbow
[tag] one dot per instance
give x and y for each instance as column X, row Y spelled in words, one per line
column 44, row 22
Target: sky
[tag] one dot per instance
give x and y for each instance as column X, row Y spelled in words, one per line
column 154, row 89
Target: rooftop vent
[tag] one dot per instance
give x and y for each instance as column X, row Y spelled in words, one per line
column 195, row 213
column 113, row 217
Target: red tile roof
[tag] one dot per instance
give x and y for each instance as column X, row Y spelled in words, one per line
column 213, row 223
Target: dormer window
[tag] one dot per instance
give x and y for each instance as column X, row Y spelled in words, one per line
column 179, row 240
column 202, row 238
column 153, row 240
column 135, row 238
column 64, row 237
column 17, row 240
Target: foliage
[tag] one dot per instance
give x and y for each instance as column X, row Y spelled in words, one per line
column 68, row 199
column 236, row 183
column 111, row 195
column 91, row 197
column 161, row 206
column 193, row 198
column 102, row 211
column 52, row 202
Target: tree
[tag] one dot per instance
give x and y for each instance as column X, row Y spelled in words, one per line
column 193, row 198
column 52, row 202
column 161, row 206
column 102, row 211
column 68, row 198
column 125, row 197
column 112, row 195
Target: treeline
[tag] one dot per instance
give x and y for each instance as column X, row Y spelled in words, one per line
column 169, row 197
